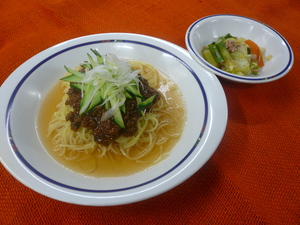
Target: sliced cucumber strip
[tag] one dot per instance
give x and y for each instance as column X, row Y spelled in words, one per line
column 79, row 86
column 134, row 90
column 87, row 99
column 96, row 100
column 143, row 105
column 75, row 72
column 72, row 78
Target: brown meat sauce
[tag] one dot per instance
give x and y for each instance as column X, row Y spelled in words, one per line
column 107, row 131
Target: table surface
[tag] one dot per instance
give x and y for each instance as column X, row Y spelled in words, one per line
column 252, row 178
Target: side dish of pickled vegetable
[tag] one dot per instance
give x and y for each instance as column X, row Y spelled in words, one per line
column 235, row 55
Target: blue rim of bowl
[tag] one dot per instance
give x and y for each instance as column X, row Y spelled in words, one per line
column 35, row 171
column 286, row 69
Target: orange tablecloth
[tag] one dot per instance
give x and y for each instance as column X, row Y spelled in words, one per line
column 254, row 175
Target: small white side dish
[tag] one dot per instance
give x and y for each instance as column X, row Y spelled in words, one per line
column 206, row 30
column 23, row 155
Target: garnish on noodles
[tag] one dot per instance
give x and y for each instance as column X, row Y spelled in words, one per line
column 108, row 96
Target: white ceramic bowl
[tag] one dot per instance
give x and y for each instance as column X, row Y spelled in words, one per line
column 206, row 30
column 25, row 158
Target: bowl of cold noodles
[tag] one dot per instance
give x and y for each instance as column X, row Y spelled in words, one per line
column 109, row 119
column 239, row 49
